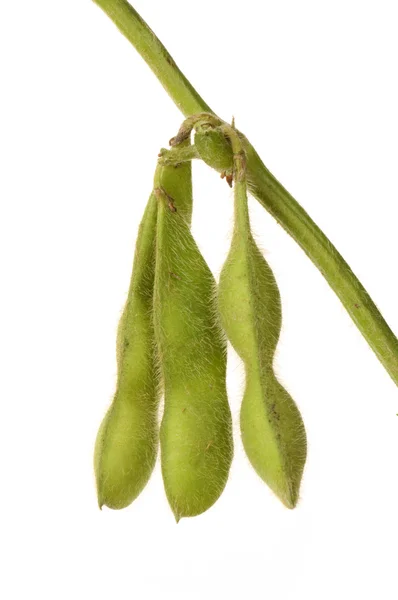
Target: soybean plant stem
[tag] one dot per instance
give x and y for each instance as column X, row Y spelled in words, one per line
column 268, row 191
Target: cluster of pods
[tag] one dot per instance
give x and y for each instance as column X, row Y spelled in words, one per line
column 172, row 339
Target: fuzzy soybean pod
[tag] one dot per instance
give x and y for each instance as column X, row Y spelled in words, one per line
column 196, row 428
column 272, row 430
column 127, row 441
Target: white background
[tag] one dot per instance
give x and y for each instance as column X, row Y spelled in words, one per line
column 314, row 87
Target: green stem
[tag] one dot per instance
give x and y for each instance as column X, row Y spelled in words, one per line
column 354, row 297
column 268, row 191
column 155, row 55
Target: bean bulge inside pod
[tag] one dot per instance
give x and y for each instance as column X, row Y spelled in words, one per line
column 196, row 429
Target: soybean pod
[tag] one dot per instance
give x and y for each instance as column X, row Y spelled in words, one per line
column 196, row 429
column 127, row 441
column 272, row 429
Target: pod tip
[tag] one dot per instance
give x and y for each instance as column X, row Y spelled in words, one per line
column 290, row 498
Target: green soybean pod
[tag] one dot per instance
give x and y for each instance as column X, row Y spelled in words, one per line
column 196, row 430
column 127, row 440
column 272, row 430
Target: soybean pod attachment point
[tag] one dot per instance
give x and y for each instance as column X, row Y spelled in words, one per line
column 175, row 179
